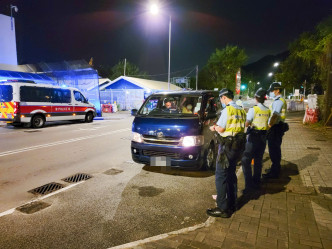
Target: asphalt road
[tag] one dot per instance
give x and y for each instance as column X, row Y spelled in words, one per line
column 122, row 202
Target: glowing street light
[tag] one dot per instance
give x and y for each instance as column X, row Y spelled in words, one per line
column 276, row 64
column 270, row 74
column 154, row 10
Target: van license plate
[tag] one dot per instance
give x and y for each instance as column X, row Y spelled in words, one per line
column 160, row 161
column 9, row 116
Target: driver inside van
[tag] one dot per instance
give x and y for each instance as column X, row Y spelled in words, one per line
column 168, row 104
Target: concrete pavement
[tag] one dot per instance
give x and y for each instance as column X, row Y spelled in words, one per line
column 294, row 211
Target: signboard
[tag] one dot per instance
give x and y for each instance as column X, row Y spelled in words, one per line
column 297, row 92
column 238, row 82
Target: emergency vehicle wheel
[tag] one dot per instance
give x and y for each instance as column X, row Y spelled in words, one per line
column 89, row 117
column 210, row 158
column 38, row 121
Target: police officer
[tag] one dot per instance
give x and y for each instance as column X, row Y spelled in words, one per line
column 278, row 115
column 230, row 128
column 257, row 123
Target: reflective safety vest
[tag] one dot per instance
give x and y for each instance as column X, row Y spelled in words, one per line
column 283, row 109
column 236, row 119
column 261, row 118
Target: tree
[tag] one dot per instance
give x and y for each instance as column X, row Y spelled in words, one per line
column 131, row 70
column 222, row 67
column 308, row 58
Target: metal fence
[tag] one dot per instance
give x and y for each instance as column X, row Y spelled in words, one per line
column 126, row 99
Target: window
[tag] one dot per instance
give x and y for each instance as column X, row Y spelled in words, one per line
column 35, row 94
column 6, row 93
column 79, row 97
column 61, row 95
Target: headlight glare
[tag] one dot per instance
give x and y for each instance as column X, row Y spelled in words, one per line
column 136, row 137
column 189, row 141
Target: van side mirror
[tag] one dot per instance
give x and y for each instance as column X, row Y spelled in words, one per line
column 134, row 112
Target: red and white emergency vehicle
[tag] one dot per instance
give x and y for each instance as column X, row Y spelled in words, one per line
column 34, row 104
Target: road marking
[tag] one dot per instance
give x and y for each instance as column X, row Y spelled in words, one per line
column 11, row 152
column 207, row 223
column 10, row 211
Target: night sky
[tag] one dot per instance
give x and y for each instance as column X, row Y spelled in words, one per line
column 57, row 30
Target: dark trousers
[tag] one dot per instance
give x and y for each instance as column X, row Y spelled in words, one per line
column 274, row 142
column 255, row 147
column 226, row 180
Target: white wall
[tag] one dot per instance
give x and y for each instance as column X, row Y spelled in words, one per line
column 8, row 53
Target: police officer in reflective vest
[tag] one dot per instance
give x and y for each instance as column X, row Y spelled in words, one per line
column 231, row 137
column 278, row 127
column 257, row 123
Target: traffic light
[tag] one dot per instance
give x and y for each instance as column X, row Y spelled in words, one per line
column 243, row 87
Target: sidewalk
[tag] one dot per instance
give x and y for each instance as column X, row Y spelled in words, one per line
column 294, row 211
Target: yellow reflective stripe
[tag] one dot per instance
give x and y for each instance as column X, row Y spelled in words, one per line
column 261, row 117
column 283, row 109
column 235, row 121
column 6, row 108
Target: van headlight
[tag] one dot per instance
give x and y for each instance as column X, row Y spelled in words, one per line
column 189, row 141
column 136, row 137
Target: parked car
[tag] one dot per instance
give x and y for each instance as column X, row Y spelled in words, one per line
column 173, row 127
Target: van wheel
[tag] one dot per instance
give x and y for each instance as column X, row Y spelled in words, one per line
column 89, row 117
column 38, row 121
column 210, row 158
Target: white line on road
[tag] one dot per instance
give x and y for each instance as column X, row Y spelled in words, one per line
column 11, row 152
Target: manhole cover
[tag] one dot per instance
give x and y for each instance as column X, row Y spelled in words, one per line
column 47, row 188
column 32, row 131
column 113, row 172
column 313, row 148
column 77, row 178
column 325, row 190
column 33, row 207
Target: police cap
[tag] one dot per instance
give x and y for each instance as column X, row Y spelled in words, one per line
column 274, row 86
column 226, row 92
column 260, row 93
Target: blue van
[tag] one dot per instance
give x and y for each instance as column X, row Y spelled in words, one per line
column 173, row 127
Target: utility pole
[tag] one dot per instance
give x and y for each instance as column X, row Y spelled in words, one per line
column 196, row 77
column 124, row 68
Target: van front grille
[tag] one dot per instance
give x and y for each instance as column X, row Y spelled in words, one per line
column 163, row 141
column 161, row 153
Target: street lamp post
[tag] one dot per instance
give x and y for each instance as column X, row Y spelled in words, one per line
column 11, row 14
column 169, row 51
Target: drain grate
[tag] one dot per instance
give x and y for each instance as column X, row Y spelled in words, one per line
column 46, row 189
column 31, row 131
column 77, row 178
column 313, row 148
column 321, row 139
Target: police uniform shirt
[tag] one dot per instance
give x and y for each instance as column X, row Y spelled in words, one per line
column 251, row 112
column 222, row 122
column 277, row 107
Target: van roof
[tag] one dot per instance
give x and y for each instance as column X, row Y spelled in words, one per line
column 191, row 92
column 37, row 85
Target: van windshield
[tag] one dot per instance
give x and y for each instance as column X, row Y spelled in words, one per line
column 177, row 105
column 6, row 93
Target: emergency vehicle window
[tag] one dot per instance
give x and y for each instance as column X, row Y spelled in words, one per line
column 6, row 93
column 35, row 94
column 60, row 95
column 79, row 97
